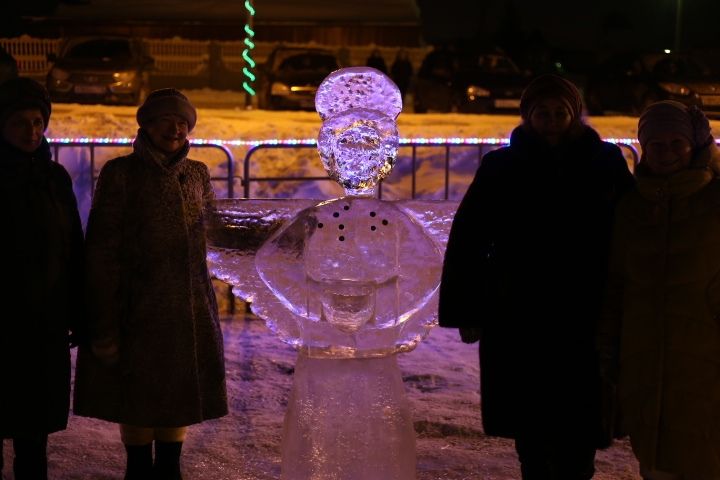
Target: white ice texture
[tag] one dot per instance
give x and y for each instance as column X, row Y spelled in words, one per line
column 354, row 277
column 358, row 141
column 357, row 88
column 238, row 229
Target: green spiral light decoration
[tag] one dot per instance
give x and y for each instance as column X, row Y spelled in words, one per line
column 249, row 45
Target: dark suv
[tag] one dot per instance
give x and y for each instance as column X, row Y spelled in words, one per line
column 291, row 77
column 110, row 70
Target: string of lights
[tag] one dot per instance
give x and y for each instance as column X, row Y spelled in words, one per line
column 313, row 141
column 250, row 45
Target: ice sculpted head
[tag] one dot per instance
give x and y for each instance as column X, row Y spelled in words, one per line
column 358, row 141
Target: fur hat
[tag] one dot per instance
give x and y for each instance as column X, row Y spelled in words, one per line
column 22, row 93
column 166, row 101
column 550, row 86
column 668, row 116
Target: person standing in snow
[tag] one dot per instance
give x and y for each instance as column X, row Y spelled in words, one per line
column 376, row 61
column 155, row 364
column 524, row 274
column 661, row 326
column 401, row 71
column 41, row 291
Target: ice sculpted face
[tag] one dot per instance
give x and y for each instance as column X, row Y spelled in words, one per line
column 358, row 142
column 358, row 149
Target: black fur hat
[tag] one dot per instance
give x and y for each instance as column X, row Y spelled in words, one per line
column 166, row 101
column 22, row 93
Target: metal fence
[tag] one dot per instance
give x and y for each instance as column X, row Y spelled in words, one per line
column 482, row 146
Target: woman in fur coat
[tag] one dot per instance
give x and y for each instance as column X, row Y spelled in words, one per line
column 155, row 364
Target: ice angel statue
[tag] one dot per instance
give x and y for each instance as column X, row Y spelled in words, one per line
column 351, row 282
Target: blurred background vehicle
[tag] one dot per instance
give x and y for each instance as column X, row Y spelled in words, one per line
column 292, row 75
column 491, row 83
column 627, row 83
column 478, row 82
column 100, row 69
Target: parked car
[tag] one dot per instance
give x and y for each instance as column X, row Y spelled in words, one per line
column 484, row 83
column 291, row 77
column 627, row 83
column 102, row 69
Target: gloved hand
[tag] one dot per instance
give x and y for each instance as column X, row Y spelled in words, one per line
column 106, row 350
column 469, row 335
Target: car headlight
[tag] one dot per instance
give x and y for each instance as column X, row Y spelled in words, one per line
column 124, row 76
column 675, row 88
column 474, row 91
column 279, row 88
column 59, row 74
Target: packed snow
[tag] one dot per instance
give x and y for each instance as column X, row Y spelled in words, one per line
column 440, row 375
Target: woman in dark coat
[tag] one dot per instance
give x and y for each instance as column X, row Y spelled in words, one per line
column 156, row 362
column 524, row 274
column 41, row 289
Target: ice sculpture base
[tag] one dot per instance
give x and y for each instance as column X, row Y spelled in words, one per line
column 348, row 419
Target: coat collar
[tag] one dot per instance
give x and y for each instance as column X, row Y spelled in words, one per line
column 704, row 168
column 143, row 147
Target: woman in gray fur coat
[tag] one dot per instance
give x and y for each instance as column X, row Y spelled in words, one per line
column 155, row 361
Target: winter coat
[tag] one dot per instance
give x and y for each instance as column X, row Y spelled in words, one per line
column 663, row 313
column 525, row 264
column 41, row 293
column 150, row 292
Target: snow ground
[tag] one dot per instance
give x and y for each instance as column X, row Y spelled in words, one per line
column 441, row 375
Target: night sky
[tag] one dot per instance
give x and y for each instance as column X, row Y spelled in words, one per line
column 576, row 24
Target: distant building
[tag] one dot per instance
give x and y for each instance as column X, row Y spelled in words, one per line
column 329, row 22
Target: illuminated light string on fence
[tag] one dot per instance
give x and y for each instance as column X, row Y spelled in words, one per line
column 250, row 33
column 312, row 141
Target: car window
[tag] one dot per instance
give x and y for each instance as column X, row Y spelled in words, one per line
column 497, row 64
column 111, row 49
column 678, row 67
column 309, row 62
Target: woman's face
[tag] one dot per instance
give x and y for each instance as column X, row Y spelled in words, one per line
column 24, row 130
column 551, row 119
column 667, row 154
column 168, row 133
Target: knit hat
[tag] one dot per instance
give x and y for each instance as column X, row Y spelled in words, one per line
column 166, row 101
column 550, row 86
column 668, row 116
column 22, row 93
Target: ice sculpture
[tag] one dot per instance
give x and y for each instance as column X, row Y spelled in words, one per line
column 350, row 282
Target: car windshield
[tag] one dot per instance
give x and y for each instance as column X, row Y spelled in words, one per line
column 679, row 67
column 305, row 62
column 105, row 49
column 497, row 64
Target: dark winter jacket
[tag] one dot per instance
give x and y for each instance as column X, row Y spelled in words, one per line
column 150, row 293
column 525, row 264
column 40, row 291
column 663, row 313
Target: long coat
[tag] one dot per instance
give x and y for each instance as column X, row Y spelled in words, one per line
column 525, row 264
column 663, row 312
column 41, row 293
column 150, row 293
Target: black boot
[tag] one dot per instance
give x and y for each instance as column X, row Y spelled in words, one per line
column 30, row 461
column 167, row 460
column 139, row 462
